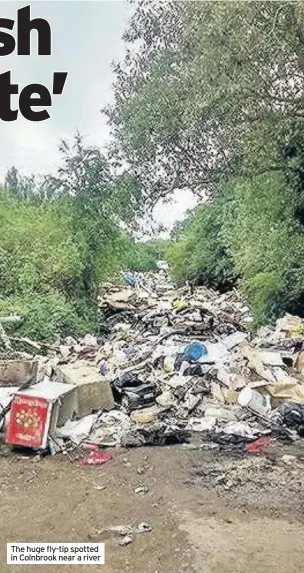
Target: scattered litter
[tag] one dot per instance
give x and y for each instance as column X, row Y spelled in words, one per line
column 258, row 445
column 293, row 416
column 143, row 527
column 146, row 415
column 96, row 459
column 195, row 351
column 122, row 530
column 100, row 487
column 171, row 366
column 241, row 429
column 158, row 434
column 254, row 400
column 17, row 372
column 219, row 414
column 201, row 424
column 288, row 391
column 127, row 530
column 288, row 459
column 141, row 489
column 78, row 430
column 126, row 540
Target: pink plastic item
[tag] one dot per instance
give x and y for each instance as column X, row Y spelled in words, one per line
column 96, row 459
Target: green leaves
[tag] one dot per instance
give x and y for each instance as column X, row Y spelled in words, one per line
column 250, row 233
column 200, row 252
column 55, row 251
column 215, row 90
column 49, row 316
column 213, row 102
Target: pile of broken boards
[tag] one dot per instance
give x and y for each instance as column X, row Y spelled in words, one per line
column 183, row 367
column 175, row 367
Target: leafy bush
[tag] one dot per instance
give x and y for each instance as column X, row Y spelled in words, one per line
column 38, row 251
column 213, row 96
column 266, row 243
column 251, row 233
column 200, row 252
column 142, row 256
column 45, row 317
column 58, row 242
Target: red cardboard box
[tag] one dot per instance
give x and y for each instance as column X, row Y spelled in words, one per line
column 28, row 421
column 38, row 411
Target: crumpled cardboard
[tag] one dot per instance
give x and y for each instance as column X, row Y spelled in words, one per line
column 287, row 392
column 18, row 372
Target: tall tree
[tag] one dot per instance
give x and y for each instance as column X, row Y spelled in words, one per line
column 208, row 90
column 20, row 186
column 96, row 201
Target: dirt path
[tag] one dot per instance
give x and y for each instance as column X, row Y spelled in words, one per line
column 209, row 513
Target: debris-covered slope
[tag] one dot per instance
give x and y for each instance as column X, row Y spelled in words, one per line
column 179, row 366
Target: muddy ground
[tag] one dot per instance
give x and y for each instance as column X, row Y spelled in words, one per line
column 210, row 512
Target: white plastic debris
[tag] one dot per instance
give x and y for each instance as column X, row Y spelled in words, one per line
column 90, row 340
column 241, row 429
column 254, row 400
column 78, row 430
column 219, row 414
column 201, row 424
column 234, row 339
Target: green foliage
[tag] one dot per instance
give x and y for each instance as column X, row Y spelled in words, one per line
column 42, row 269
column 250, row 233
column 56, row 245
column 266, row 295
column 200, row 254
column 38, row 250
column 266, row 242
column 207, row 75
column 46, row 317
column 85, row 190
column 142, row 256
column 213, row 102
column 21, row 186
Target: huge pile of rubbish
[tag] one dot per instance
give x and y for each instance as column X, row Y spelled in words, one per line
column 173, row 366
